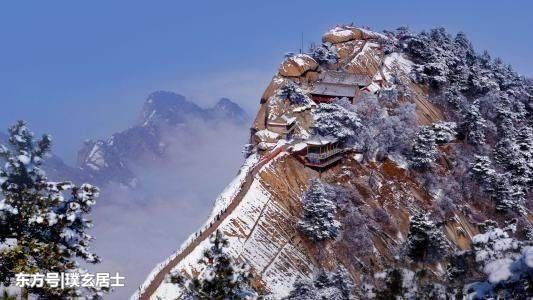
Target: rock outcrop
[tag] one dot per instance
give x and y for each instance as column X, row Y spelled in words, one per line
column 297, row 65
column 381, row 193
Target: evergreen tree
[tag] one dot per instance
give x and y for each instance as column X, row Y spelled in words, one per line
column 325, row 54
column 221, row 278
column 507, row 264
column 424, row 149
column 319, row 220
column 293, row 93
column 483, row 172
column 303, row 289
column 324, row 286
column 515, row 153
column 444, row 132
column 506, row 195
column 502, row 187
column 425, row 241
column 393, row 285
column 44, row 222
column 342, row 280
column 336, row 119
column 474, row 125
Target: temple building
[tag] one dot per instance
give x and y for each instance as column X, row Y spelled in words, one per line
column 338, row 84
column 322, row 152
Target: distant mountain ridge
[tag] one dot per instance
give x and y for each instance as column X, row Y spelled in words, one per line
column 171, row 109
column 163, row 113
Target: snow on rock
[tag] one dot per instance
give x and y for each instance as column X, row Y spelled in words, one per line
column 95, row 159
column 340, row 35
column 344, row 50
column 297, row 65
column 373, row 87
column 272, row 88
column 299, row 147
column 368, row 34
column 367, row 62
column 267, row 135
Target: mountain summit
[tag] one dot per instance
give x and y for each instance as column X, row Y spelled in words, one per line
column 389, row 165
column 171, row 109
column 163, row 115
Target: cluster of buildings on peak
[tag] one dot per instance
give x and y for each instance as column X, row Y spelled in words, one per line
column 350, row 64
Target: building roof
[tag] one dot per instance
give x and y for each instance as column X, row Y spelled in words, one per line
column 339, row 84
column 373, row 87
column 343, row 78
column 266, row 134
column 336, row 90
column 318, row 140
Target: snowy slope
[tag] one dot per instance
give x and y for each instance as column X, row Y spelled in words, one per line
column 256, row 234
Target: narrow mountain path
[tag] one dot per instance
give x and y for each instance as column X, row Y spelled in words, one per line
column 146, row 293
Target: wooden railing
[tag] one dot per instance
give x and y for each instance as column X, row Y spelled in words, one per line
column 315, row 157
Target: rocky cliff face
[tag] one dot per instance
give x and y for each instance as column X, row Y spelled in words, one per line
column 376, row 105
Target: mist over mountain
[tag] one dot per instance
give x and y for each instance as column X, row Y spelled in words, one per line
column 164, row 115
column 169, row 165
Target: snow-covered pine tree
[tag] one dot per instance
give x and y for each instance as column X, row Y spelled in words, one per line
column 325, row 285
column 393, row 285
column 221, row 278
column 319, row 221
column 515, row 153
column 293, row 93
column 337, row 120
column 506, row 195
column 425, row 241
column 344, row 283
column 43, row 222
column 424, row 149
column 507, row 264
column 444, row 132
column 473, row 125
column 302, row 289
column 483, row 172
column 325, row 54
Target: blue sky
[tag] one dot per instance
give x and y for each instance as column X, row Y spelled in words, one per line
column 81, row 69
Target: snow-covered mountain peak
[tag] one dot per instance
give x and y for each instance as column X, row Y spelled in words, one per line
column 163, row 115
column 168, row 107
column 229, row 110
